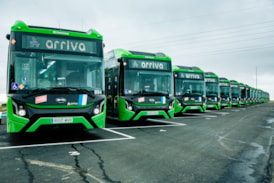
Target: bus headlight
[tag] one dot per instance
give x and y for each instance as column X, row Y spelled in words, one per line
column 22, row 112
column 19, row 109
column 96, row 110
column 171, row 105
column 129, row 106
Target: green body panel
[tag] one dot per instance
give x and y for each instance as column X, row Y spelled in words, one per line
column 226, row 105
column 178, row 108
column 14, row 123
column 181, row 109
column 22, row 27
column 214, row 106
column 123, row 113
column 146, row 114
column 100, row 119
column 48, row 121
column 126, row 115
column 200, row 108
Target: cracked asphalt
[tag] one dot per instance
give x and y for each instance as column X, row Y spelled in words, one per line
column 227, row 146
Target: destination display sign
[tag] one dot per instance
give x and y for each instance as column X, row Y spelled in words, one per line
column 224, row 84
column 197, row 76
column 211, row 80
column 235, row 86
column 149, row 64
column 38, row 42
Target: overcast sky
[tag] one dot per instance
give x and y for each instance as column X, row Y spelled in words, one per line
column 232, row 38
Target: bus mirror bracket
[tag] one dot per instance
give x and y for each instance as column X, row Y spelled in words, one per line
column 8, row 36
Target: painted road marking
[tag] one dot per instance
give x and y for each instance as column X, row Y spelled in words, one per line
column 125, row 137
column 218, row 112
column 111, row 130
column 192, row 116
column 152, row 126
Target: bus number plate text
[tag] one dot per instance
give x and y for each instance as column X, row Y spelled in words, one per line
column 62, row 120
column 152, row 113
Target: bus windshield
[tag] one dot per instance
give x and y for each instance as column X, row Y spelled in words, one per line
column 138, row 81
column 189, row 87
column 212, row 89
column 225, row 91
column 235, row 91
column 36, row 70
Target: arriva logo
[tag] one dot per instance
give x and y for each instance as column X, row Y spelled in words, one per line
column 152, row 65
column 66, row 45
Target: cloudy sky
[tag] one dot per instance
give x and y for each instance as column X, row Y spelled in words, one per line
column 233, row 38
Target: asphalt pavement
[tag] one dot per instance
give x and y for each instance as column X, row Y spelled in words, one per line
column 226, row 146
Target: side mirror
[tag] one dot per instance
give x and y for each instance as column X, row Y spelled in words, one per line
column 8, row 36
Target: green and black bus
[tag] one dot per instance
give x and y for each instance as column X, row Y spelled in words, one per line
column 244, row 94
column 225, row 92
column 235, row 93
column 189, row 84
column 55, row 78
column 138, row 85
column 212, row 91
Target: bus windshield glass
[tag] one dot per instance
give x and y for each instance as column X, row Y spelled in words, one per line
column 225, row 91
column 38, row 70
column 139, row 81
column 235, row 91
column 212, row 89
column 189, row 87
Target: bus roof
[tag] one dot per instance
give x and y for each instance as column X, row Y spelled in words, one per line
column 186, row 69
column 211, row 75
column 20, row 26
column 222, row 79
column 122, row 53
column 234, row 82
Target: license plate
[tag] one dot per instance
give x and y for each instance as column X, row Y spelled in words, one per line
column 152, row 113
column 62, row 120
column 193, row 107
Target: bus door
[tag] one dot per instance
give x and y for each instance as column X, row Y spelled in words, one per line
column 112, row 91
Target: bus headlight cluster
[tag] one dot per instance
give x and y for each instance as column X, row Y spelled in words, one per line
column 129, row 106
column 19, row 109
column 98, row 108
column 22, row 112
column 171, row 105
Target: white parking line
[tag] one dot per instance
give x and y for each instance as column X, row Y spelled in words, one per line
column 192, row 116
column 218, row 112
column 125, row 137
column 112, row 130
column 152, row 126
